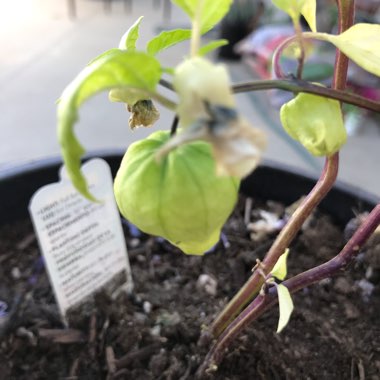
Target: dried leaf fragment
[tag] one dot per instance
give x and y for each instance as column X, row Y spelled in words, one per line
column 143, row 114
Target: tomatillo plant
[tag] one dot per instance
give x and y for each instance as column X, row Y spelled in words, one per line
column 182, row 184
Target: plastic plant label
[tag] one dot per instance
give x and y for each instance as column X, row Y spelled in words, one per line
column 82, row 242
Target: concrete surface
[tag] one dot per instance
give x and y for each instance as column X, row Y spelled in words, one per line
column 43, row 49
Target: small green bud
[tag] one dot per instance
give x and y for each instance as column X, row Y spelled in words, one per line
column 179, row 198
column 316, row 122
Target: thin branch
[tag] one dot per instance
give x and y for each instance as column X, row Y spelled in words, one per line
column 166, row 84
column 174, row 126
column 262, row 302
column 301, row 42
column 295, row 86
column 222, row 326
column 283, row 240
column 346, row 13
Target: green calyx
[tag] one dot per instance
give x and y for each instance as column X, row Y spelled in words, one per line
column 316, row 122
column 180, row 198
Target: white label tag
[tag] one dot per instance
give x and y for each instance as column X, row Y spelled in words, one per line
column 82, row 241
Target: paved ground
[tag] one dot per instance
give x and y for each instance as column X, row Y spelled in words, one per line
column 43, row 49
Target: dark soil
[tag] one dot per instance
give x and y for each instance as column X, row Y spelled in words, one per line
column 334, row 332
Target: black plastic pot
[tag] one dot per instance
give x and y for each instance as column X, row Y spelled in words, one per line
column 269, row 181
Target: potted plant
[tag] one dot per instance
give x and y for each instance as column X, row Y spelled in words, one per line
column 183, row 184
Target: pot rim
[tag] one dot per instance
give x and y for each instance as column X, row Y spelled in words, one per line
column 19, row 182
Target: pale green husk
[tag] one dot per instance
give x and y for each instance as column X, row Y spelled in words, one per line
column 181, row 198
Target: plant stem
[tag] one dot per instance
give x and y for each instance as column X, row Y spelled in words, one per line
column 174, row 126
column 323, row 186
column 283, row 240
column 346, row 12
column 301, row 58
column 296, row 86
column 196, row 30
column 262, row 302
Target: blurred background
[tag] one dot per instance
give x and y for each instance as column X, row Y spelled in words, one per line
column 45, row 43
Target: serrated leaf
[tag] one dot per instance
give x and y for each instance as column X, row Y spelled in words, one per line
column 117, row 69
column 361, row 43
column 211, row 11
column 295, row 8
column 128, row 41
column 316, row 122
column 167, row 39
column 205, row 49
column 286, row 306
column 280, row 269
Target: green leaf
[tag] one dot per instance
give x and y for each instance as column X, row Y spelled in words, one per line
column 167, row 39
column 128, row 96
column 316, row 122
column 211, row 11
column 286, row 306
column 295, row 8
column 104, row 55
column 118, row 69
column 128, row 41
column 309, row 11
column 212, row 46
column 291, row 7
column 188, row 6
column 280, row 269
column 361, row 43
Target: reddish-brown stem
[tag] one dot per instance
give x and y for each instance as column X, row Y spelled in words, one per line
column 283, row 240
column 296, row 86
column 346, row 11
column 301, row 58
column 324, row 184
column 262, row 302
column 279, row 51
column 277, row 56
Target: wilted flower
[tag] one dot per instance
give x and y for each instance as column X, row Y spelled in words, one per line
column 237, row 146
column 143, row 114
column 207, row 112
column 197, row 81
column 143, row 111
